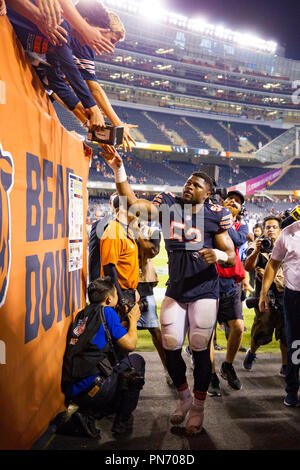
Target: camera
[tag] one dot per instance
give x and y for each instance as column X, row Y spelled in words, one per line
column 110, row 135
column 124, row 307
column 218, row 195
column 252, row 302
column 290, row 217
column 267, row 244
column 143, row 304
column 274, row 305
column 131, row 380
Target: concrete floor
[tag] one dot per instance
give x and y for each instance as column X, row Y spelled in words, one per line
column 253, row 418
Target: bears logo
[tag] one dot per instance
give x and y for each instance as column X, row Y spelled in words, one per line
column 6, row 183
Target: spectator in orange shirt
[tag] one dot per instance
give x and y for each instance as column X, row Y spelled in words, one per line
column 119, row 253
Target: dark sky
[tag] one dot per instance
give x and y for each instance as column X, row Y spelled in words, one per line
column 274, row 20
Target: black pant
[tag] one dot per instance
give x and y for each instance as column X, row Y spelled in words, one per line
column 109, row 399
column 292, row 325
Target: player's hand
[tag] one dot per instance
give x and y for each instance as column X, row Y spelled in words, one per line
column 95, row 38
column 134, row 223
column 56, row 35
column 96, row 120
column 51, row 12
column 208, row 255
column 263, row 304
column 128, row 141
column 2, row 8
column 135, row 313
column 111, row 156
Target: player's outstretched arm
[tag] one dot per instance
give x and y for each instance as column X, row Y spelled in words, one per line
column 138, row 207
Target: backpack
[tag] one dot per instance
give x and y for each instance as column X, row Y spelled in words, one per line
column 94, row 259
column 82, row 358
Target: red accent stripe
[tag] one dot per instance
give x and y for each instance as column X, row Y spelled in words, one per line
column 199, row 395
column 37, row 44
column 182, row 387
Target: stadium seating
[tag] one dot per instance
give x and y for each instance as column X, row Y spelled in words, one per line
column 68, row 120
column 156, row 127
column 290, row 180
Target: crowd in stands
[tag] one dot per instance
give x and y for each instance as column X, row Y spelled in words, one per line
column 203, row 73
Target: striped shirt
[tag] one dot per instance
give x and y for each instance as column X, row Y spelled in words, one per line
column 84, row 58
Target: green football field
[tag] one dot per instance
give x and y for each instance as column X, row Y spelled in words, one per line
column 144, row 337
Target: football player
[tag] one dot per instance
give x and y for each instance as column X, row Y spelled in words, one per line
column 195, row 234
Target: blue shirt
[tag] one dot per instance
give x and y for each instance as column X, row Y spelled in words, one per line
column 60, row 58
column 116, row 330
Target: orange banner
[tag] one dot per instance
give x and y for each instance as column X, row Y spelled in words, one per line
column 43, row 205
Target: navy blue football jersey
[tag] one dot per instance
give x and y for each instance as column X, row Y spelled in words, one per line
column 190, row 277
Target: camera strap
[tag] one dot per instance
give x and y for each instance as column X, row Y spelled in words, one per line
column 108, row 335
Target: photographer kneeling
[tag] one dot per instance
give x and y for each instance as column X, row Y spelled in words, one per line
column 258, row 255
column 98, row 374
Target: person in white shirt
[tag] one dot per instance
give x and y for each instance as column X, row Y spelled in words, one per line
column 287, row 251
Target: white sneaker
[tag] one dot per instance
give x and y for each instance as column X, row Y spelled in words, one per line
column 183, row 405
column 195, row 418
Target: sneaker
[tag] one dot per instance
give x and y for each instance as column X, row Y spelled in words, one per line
column 282, row 371
column 81, row 425
column 228, row 373
column 122, row 425
column 217, row 347
column 242, row 349
column 183, row 405
column 190, row 355
column 249, row 359
column 195, row 418
column 214, row 386
column 291, row 399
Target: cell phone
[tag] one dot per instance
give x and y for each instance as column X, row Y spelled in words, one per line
column 110, row 135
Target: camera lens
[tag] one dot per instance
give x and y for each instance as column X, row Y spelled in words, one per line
column 267, row 244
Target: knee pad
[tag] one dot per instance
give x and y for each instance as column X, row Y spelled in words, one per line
column 199, row 339
column 173, row 324
column 170, row 340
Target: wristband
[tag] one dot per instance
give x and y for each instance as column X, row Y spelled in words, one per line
column 120, row 174
column 221, row 255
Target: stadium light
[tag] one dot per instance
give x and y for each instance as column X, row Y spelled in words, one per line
column 154, row 11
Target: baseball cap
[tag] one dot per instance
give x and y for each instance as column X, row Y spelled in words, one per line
column 238, row 193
